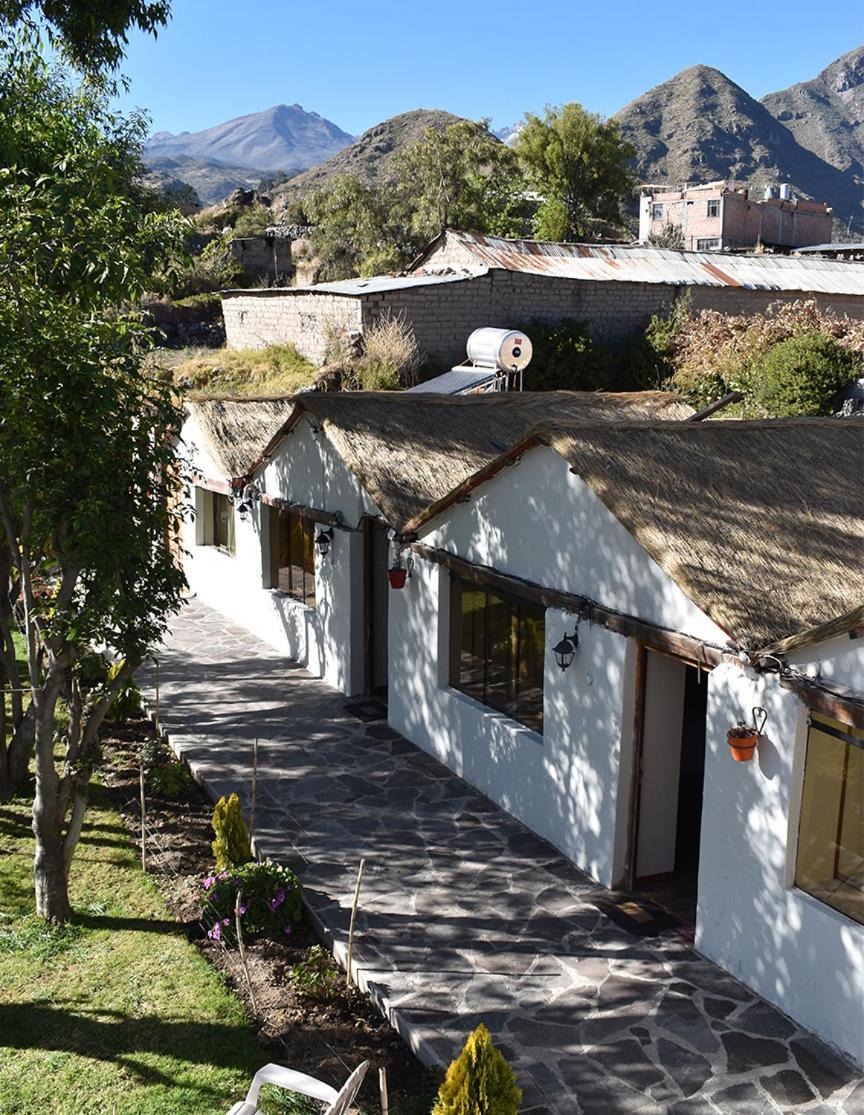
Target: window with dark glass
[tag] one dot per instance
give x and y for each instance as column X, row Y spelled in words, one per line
column 830, row 863
column 656, row 211
column 497, row 645
column 714, row 208
column 216, row 518
column 292, row 555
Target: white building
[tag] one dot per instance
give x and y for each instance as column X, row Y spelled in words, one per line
column 706, row 568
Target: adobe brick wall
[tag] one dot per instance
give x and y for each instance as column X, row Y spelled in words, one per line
column 443, row 316
column 255, row 319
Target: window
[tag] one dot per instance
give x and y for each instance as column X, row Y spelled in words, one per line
column 830, row 863
column 497, row 646
column 656, row 212
column 216, row 520
column 709, row 245
column 714, row 208
column 292, row 555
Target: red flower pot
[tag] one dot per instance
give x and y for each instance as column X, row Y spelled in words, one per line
column 742, row 747
column 396, row 576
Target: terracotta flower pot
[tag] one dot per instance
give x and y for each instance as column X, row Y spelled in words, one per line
column 741, row 746
column 396, row 577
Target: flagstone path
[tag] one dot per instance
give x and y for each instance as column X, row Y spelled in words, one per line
column 465, row 915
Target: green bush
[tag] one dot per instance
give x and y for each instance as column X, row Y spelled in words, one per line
column 232, row 847
column 316, row 976
column 127, row 703
column 803, row 375
column 253, row 221
column 270, row 901
column 166, row 776
column 479, row 1081
column 567, row 358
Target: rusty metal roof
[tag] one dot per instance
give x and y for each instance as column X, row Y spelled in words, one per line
column 637, row 264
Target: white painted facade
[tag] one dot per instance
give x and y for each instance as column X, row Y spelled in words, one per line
column 326, row 638
column 572, row 785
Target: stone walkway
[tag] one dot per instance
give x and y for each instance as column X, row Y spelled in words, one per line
column 467, row 916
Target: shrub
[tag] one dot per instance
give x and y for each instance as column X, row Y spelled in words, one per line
column 166, row 776
column 127, row 703
column 713, row 353
column 390, row 357
column 232, row 847
column 270, row 901
column 253, row 221
column 479, row 1081
column 316, row 976
column 803, row 375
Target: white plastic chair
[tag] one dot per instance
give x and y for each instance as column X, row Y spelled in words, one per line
column 306, row 1085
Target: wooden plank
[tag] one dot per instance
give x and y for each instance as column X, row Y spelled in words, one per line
column 314, row 513
column 652, row 635
column 837, row 702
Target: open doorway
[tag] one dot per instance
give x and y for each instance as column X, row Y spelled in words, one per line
column 672, row 771
column 376, row 594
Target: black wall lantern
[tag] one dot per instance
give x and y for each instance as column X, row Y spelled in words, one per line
column 565, row 651
column 251, row 494
column 322, row 542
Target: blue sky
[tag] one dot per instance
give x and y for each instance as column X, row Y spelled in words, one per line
column 360, row 62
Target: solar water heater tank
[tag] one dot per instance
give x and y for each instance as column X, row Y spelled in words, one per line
column 505, row 349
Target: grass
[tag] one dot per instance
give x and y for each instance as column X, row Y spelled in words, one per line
column 117, row 1011
column 275, row 370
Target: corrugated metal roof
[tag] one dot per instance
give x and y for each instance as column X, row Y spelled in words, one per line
column 456, row 381
column 619, row 263
column 381, row 284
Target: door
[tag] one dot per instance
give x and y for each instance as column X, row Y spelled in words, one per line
column 669, row 799
column 376, row 561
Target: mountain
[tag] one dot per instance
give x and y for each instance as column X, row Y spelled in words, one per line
column 369, row 156
column 699, row 126
column 211, row 180
column 826, row 114
column 284, row 137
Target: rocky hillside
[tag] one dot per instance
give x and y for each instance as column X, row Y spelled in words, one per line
column 369, row 156
column 826, row 115
column 700, row 126
column 284, row 137
column 211, row 180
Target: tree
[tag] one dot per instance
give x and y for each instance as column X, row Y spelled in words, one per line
column 669, row 236
column 577, row 162
column 88, row 477
column 354, row 229
column 462, row 177
column 92, row 32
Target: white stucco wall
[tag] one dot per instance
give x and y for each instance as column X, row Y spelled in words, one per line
column 539, row 521
column 327, row 639
column 797, row 952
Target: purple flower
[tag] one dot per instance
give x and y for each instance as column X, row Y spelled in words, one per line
column 226, row 921
column 209, row 882
column 215, row 934
column 241, row 910
column 288, row 929
column 277, row 900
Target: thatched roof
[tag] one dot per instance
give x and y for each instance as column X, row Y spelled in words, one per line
column 410, row 451
column 760, row 523
column 235, row 432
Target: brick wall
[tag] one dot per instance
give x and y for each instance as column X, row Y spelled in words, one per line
column 443, row 316
column 255, row 319
column 261, row 256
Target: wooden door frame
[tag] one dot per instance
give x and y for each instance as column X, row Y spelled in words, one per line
column 640, row 692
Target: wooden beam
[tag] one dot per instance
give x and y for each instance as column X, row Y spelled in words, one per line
column 652, row 635
column 834, row 701
column 330, row 518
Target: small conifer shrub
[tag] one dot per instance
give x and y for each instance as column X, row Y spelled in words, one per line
column 232, row 847
column 479, row 1081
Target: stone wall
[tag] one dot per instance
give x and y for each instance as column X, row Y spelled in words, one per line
column 444, row 315
column 263, row 257
column 257, row 318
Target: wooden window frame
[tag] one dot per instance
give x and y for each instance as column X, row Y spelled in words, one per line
column 713, row 209
column 306, row 592
column 516, row 604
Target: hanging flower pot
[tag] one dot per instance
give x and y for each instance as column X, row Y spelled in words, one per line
column 397, row 576
column 742, row 739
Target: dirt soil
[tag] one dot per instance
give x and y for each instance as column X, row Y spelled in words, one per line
column 324, row 1037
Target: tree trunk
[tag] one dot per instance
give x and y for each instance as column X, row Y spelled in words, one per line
column 52, row 897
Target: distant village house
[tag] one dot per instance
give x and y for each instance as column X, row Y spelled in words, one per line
column 718, row 217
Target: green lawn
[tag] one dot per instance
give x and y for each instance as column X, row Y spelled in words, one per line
column 116, row 1012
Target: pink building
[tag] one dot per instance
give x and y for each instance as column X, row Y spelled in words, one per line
column 719, row 217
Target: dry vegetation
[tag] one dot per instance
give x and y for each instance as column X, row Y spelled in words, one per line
column 275, row 370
